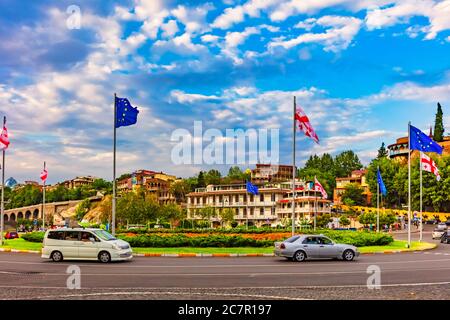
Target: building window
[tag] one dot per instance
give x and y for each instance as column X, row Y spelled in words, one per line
column 251, row 198
column 252, row 211
column 261, row 197
column 261, row 211
column 273, row 197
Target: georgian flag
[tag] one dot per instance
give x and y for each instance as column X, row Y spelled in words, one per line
column 319, row 187
column 44, row 175
column 4, row 140
column 429, row 165
column 305, row 125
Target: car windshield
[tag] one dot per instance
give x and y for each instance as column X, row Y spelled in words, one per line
column 102, row 234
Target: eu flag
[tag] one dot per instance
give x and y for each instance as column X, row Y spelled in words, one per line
column 251, row 188
column 381, row 183
column 420, row 141
column 126, row 114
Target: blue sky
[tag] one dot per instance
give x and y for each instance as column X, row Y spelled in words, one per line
column 361, row 69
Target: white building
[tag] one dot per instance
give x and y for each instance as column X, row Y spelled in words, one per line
column 271, row 206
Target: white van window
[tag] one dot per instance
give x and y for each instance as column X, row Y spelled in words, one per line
column 56, row 235
column 72, row 235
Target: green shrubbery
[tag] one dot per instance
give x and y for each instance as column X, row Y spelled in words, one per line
column 241, row 229
column 215, row 239
column 33, row 236
column 179, row 240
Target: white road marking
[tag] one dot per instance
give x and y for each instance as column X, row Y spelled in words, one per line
column 171, row 293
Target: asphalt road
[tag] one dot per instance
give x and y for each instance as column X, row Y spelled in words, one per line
column 423, row 275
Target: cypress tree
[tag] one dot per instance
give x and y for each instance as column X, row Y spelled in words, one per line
column 439, row 125
column 382, row 152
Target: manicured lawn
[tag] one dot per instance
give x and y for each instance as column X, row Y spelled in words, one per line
column 398, row 245
column 21, row 244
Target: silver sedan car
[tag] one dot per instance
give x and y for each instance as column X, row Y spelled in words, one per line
column 302, row 247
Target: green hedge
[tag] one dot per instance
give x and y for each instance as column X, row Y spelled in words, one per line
column 33, row 236
column 219, row 241
column 356, row 238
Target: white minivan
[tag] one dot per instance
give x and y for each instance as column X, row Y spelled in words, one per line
column 84, row 244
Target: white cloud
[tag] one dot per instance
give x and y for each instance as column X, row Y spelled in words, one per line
column 402, row 11
column 194, row 19
column 189, row 98
column 169, row 29
column 209, row 38
column 182, row 45
column 338, row 35
column 237, row 14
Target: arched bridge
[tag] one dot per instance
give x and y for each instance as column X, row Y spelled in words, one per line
column 35, row 211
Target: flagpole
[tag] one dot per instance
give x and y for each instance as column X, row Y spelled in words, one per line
column 113, row 217
column 315, row 211
column 409, row 184
column 378, row 203
column 43, row 203
column 293, row 168
column 420, row 226
column 3, row 192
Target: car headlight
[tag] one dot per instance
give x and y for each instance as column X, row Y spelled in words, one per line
column 116, row 246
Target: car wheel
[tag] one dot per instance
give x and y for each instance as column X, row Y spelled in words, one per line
column 57, row 256
column 104, row 257
column 348, row 255
column 299, row 256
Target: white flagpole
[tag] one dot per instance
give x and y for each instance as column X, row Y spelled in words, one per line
column 293, row 169
column 43, row 202
column 409, row 184
column 315, row 211
column 420, row 226
column 113, row 217
column 3, row 193
column 378, row 202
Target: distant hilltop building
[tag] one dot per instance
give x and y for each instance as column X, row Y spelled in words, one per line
column 264, row 173
column 357, row 177
column 399, row 150
column 79, row 182
column 157, row 183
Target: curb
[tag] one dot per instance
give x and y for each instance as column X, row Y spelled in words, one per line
column 223, row 255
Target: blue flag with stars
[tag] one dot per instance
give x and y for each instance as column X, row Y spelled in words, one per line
column 126, row 114
column 251, row 188
column 381, row 183
column 420, row 141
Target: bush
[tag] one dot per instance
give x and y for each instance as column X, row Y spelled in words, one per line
column 33, row 236
column 179, row 240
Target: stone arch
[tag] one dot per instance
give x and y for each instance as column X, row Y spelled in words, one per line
column 20, row 215
column 5, row 217
column 12, row 217
column 35, row 213
column 28, row 215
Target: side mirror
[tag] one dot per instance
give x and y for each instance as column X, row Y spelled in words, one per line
column 92, row 240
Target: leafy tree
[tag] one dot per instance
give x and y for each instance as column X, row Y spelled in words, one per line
column 393, row 177
column 387, row 218
column 213, row 177
column 354, row 193
column 382, row 152
column 137, row 208
column 227, row 215
column 345, row 163
column 82, row 208
column 439, row 125
column 124, row 176
column 206, row 213
column 344, row 221
column 201, row 183
column 235, row 173
column 367, row 218
column 180, row 189
column 172, row 213
column 322, row 220
column 102, row 185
